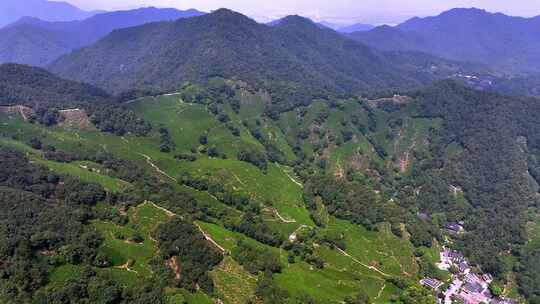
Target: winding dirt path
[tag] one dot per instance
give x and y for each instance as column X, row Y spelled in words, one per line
column 291, row 178
column 380, row 292
column 282, row 218
column 172, row 214
column 125, row 267
column 208, row 238
column 149, row 161
column 167, row 211
column 357, row 261
column 239, row 180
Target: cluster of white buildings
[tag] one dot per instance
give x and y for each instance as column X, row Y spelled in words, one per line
column 466, row 287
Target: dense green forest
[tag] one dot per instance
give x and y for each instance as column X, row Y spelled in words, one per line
column 30, row 86
column 496, row 171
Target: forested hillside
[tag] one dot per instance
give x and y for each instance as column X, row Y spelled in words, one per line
column 295, row 60
column 20, row 84
column 496, row 167
column 41, row 96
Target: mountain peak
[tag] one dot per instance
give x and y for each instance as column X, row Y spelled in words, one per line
column 227, row 17
column 296, row 22
column 296, row 19
column 225, row 12
column 473, row 11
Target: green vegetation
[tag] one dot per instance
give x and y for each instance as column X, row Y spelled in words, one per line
column 333, row 201
column 131, row 247
column 300, row 61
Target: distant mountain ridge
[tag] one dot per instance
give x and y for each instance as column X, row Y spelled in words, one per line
column 508, row 43
column 358, row 27
column 295, row 57
column 12, row 10
column 36, row 42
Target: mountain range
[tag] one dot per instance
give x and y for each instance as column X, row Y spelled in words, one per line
column 294, row 55
column 508, row 43
column 36, row 42
column 12, row 10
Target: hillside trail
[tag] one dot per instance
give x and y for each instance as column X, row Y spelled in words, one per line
column 153, row 97
column 357, row 261
column 290, row 177
column 125, row 267
column 149, row 161
column 393, row 257
column 208, row 238
column 172, row 214
column 167, row 211
column 282, row 218
column 405, row 161
column 134, row 100
column 380, row 292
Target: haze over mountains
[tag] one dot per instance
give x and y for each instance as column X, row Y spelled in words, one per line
column 508, row 43
column 36, row 42
column 12, row 10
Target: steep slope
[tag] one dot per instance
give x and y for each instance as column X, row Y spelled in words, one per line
column 46, row 99
column 37, row 42
column 11, row 10
column 295, row 58
column 32, row 45
column 30, row 86
column 474, row 35
column 342, row 221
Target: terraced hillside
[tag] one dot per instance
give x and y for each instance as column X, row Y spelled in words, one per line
column 255, row 203
column 337, row 200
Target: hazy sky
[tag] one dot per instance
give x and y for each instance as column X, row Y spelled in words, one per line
column 339, row 11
